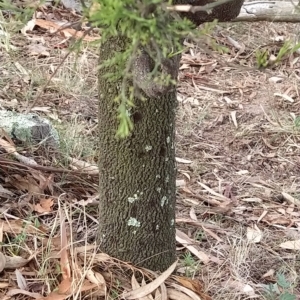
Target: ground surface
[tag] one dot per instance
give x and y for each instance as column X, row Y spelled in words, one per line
column 238, row 151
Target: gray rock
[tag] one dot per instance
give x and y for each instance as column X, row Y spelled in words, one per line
column 72, row 5
column 29, row 128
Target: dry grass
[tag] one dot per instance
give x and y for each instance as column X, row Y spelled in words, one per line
column 244, row 143
column 242, row 139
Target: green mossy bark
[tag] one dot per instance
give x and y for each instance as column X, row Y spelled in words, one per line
column 137, row 176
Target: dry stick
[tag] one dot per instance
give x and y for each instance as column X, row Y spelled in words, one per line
column 29, row 108
column 4, row 161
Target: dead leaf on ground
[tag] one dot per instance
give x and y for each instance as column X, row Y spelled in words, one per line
column 193, row 214
column 44, row 206
column 21, row 281
column 191, row 245
column 254, row 234
column 20, row 226
column 44, row 182
column 180, row 182
column 211, row 191
column 270, row 273
column 57, row 27
column 135, row 285
column 14, row 292
column 152, row 286
column 16, row 262
column 55, row 296
column 83, row 166
column 38, row 50
column 25, row 184
column 186, row 291
column 211, row 233
column 4, row 285
column 98, row 279
column 65, row 286
column 278, row 219
column 241, row 287
column 183, row 161
column 2, row 261
column 194, row 285
column 64, row 255
column 292, row 245
column 291, row 199
column 176, row 295
column 5, row 193
column 11, row 149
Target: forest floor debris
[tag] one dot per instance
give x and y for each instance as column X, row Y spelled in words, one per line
column 238, row 156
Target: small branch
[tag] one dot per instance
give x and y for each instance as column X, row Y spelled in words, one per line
column 190, row 8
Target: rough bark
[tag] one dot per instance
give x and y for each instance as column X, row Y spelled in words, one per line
column 137, row 176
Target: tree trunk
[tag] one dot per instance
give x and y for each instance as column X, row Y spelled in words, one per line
column 137, row 175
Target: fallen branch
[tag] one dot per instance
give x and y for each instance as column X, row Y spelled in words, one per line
column 271, row 11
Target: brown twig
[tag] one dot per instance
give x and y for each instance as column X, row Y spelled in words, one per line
column 4, row 161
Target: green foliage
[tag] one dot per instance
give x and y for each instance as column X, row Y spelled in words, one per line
column 281, row 290
column 262, row 56
column 189, row 260
column 144, row 24
column 114, row 294
column 206, row 31
column 21, row 14
column 16, row 243
column 190, row 264
column 297, row 122
column 287, row 49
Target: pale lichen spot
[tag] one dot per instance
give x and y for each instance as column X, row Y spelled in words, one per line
column 148, row 148
column 172, row 222
column 158, row 189
column 163, row 201
column 128, row 112
column 157, row 227
column 167, row 179
column 133, row 222
column 167, row 159
column 168, row 140
column 132, row 199
column 157, row 176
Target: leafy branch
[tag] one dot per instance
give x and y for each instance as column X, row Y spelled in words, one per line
column 148, row 28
